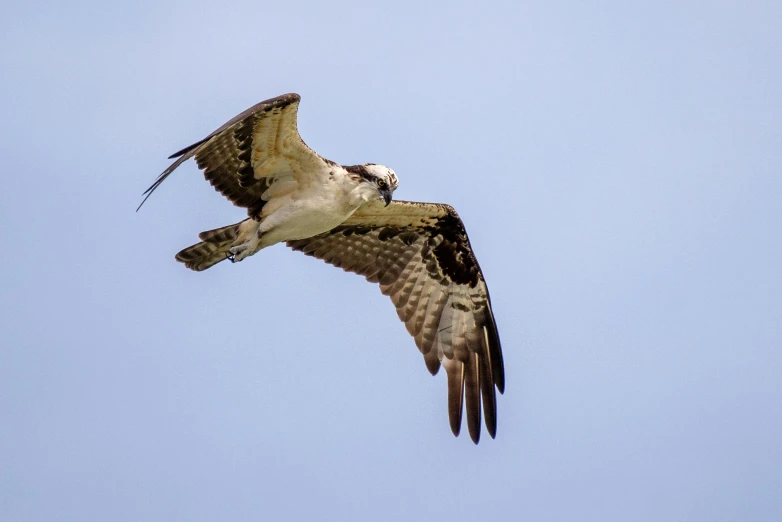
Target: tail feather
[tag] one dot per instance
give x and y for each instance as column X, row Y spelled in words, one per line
column 212, row 249
column 220, row 235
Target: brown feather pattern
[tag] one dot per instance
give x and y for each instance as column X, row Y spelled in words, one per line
column 211, row 250
column 419, row 253
column 420, row 256
column 242, row 158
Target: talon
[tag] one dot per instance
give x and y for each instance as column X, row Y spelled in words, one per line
column 239, row 252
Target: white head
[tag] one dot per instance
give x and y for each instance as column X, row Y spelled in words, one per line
column 380, row 179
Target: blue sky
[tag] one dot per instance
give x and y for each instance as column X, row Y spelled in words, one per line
column 618, row 168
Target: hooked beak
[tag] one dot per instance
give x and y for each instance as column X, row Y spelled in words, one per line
column 386, row 194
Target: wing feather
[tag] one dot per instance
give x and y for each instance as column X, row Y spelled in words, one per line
column 432, row 360
column 410, row 259
column 487, row 390
column 421, row 257
column 428, row 333
column 245, row 157
column 455, row 371
column 400, row 293
column 411, row 303
column 472, row 395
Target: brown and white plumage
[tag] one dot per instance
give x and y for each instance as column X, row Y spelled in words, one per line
column 242, row 158
column 420, row 256
column 419, row 253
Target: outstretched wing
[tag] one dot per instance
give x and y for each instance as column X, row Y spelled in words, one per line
column 420, row 255
column 258, row 148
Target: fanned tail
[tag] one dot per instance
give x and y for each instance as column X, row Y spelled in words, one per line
column 212, row 249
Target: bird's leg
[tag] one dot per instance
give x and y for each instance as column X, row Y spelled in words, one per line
column 247, row 244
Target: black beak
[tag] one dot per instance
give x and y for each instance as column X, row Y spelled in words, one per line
column 386, row 196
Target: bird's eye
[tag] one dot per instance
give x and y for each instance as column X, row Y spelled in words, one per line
column 381, row 183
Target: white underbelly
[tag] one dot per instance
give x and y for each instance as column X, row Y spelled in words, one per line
column 304, row 218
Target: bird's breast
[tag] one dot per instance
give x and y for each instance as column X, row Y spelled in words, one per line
column 307, row 217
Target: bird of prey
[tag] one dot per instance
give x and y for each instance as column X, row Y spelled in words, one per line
column 417, row 252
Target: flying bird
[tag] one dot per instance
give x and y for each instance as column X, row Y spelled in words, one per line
column 419, row 253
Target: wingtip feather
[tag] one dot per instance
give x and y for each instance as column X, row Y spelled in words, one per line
column 455, row 371
column 472, row 396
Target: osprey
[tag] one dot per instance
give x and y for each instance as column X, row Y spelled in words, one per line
column 417, row 252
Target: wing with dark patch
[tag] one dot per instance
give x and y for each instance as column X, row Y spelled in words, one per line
column 421, row 257
column 243, row 158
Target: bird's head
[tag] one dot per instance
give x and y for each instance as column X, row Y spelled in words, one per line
column 381, row 178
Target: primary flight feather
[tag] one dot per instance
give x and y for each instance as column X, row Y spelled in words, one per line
column 419, row 253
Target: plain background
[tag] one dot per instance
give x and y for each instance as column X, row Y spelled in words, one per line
column 619, row 169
